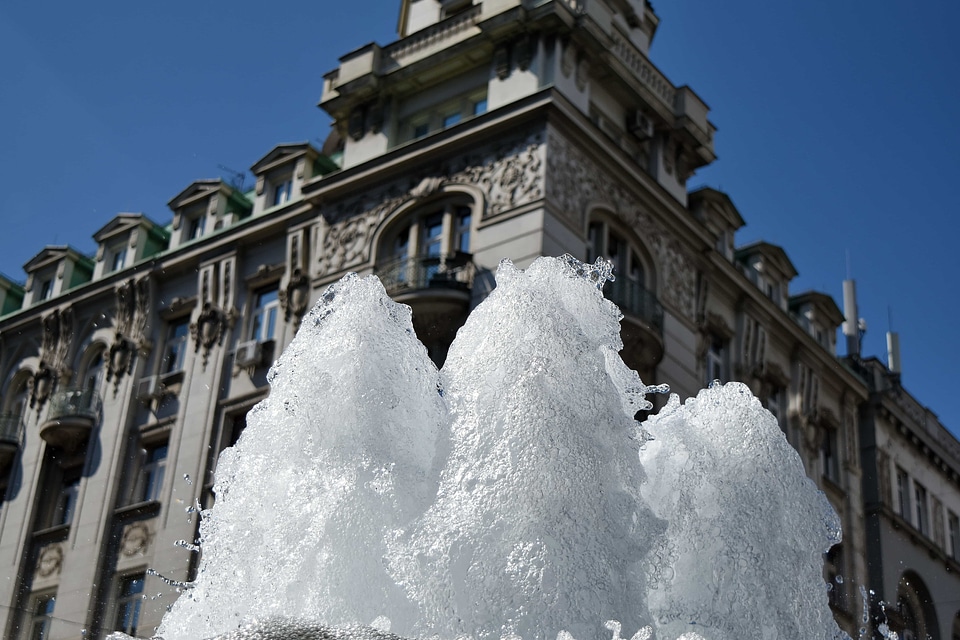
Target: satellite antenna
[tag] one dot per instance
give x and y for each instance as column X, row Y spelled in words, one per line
column 237, row 177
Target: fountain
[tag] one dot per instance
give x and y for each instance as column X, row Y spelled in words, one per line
column 511, row 494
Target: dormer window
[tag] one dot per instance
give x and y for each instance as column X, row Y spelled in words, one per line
column 282, row 192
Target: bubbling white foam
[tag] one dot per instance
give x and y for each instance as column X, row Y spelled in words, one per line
column 511, row 494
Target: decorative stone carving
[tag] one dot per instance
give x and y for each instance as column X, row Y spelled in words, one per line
column 41, row 385
column 511, row 175
column 575, row 182
column 50, row 561
column 57, row 335
column 501, row 62
column 583, row 72
column 135, row 539
column 131, row 318
column 209, row 329
column 568, row 59
column 524, row 51
column 294, row 297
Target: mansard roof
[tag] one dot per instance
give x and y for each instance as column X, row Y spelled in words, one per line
column 822, row 302
column 723, row 204
column 774, row 253
column 197, row 190
column 281, row 153
column 124, row 222
column 52, row 254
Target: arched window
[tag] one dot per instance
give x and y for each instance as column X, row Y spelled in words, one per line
column 431, row 244
column 916, row 613
column 632, row 291
column 633, row 288
column 605, row 241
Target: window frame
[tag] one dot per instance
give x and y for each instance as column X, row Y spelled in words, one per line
column 180, row 341
column 264, row 314
column 124, row 601
column 921, row 508
column 151, row 472
column 281, row 191
column 45, row 619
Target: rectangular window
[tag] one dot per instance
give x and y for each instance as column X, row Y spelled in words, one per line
column 195, row 230
column 118, row 259
column 421, row 130
column 451, row 119
column 66, row 500
column 716, row 357
column 151, row 473
column 953, row 523
column 42, row 611
column 46, row 289
column 903, row 493
column 775, row 405
column 829, row 456
column 175, row 349
column 923, row 519
column 480, row 106
column 431, row 238
column 266, row 307
column 282, row 192
column 129, row 598
column 462, row 234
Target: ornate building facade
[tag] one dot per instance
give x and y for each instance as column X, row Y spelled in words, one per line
column 489, row 129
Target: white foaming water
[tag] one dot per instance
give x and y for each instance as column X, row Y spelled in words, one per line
column 522, row 500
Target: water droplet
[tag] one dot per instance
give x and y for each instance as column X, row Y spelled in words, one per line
column 186, row 477
column 839, row 579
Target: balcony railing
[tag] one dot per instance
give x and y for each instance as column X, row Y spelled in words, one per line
column 634, row 300
column 74, row 403
column 427, row 272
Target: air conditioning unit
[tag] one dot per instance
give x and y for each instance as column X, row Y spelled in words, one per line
column 149, row 388
column 249, row 354
column 640, row 125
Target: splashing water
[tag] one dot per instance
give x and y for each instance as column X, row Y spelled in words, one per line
column 522, row 500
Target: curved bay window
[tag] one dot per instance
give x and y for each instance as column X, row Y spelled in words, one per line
column 632, row 291
column 428, row 250
column 424, row 261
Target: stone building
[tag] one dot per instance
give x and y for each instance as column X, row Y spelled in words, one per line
column 489, row 129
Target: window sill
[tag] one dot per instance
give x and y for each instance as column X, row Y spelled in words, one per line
column 145, row 509
column 56, row 533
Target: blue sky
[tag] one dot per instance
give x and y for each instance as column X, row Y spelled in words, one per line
column 838, row 133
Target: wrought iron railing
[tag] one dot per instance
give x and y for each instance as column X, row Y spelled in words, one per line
column 83, row 403
column 424, row 272
column 10, row 427
column 633, row 299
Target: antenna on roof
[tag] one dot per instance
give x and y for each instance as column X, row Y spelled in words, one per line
column 237, row 177
column 893, row 344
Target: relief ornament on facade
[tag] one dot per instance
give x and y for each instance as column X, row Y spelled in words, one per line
column 509, row 175
column 576, row 182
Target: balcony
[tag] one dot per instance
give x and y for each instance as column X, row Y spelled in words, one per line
column 11, row 427
column 642, row 325
column 437, row 288
column 71, row 417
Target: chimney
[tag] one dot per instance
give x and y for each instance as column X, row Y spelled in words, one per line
column 893, row 352
column 851, row 324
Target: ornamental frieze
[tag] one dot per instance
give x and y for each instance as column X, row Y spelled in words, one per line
column 510, row 175
column 575, row 182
